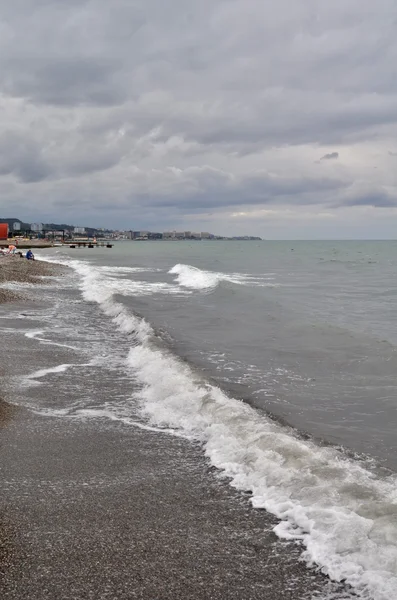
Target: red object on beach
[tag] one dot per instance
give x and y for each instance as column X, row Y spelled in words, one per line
column 3, row 231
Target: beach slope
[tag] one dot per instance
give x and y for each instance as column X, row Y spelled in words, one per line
column 113, row 511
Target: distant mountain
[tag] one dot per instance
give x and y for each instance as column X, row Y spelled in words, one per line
column 57, row 226
column 15, row 220
column 46, row 226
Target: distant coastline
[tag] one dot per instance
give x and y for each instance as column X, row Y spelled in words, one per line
column 13, row 227
column 249, row 238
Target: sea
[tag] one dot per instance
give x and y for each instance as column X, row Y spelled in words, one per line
column 279, row 358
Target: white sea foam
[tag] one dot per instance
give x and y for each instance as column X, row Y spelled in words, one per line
column 108, row 414
column 51, row 370
column 198, row 279
column 106, row 281
column 345, row 515
column 40, row 373
column 51, row 412
column 35, row 335
column 16, row 285
column 114, row 416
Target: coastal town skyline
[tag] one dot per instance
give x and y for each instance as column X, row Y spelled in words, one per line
column 17, row 227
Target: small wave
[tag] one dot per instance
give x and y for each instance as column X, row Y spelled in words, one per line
column 194, row 278
column 104, row 282
column 44, row 372
column 31, row 379
column 34, row 335
column 98, row 413
column 198, row 279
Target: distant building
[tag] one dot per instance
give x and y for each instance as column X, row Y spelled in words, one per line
column 196, row 235
column 79, row 230
column 138, row 235
column 54, row 233
column 168, row 235
column 16, row 226
column 206, row 236
column 3, row 231
column 36, row 227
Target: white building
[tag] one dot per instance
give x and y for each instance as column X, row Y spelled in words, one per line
column 36, row 226
column 80, row 230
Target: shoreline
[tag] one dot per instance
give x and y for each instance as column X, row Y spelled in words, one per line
column 114, row 511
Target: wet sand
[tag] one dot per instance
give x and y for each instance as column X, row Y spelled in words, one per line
column 108, row 511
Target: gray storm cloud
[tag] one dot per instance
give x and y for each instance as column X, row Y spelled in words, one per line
column 198, row 107
column 330, row 156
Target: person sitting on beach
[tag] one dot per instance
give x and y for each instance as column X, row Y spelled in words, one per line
column 29, row 255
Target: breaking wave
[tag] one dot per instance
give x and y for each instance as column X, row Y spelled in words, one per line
column 197, row 279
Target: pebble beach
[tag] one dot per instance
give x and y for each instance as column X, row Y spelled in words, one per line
column 14, row 269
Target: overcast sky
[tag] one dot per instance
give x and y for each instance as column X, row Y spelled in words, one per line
column 269, row 118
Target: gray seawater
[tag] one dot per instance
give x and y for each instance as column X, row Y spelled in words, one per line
column 279, row 357
column 304, row 330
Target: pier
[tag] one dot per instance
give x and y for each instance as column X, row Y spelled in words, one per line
column 88, row 244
